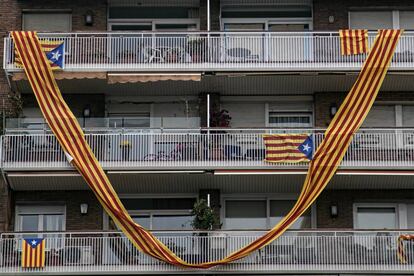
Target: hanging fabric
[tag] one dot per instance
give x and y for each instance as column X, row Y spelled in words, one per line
column 323, row 166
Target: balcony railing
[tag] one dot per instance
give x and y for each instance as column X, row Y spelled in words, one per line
column 201, row 149
column 216, row 51
column 294, row 252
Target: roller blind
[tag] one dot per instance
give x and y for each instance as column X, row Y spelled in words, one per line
column 381, row 116
column 407, row 20
column 371, row 20
column 408, row 115
column 42, row 22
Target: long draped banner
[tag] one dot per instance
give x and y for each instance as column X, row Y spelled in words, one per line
column 325, row 162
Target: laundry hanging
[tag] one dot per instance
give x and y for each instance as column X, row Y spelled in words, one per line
column 323, row 166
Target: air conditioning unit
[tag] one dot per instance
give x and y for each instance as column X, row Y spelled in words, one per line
column 78, row 255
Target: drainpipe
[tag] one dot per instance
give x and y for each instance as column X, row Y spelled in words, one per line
column 208, row 126
column 208, row 15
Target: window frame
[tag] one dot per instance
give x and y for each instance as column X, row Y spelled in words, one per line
column 40, row 211
column 395, row 14
column 396, row 207
column 291, row 197
column 49, row 11
column 152, row 212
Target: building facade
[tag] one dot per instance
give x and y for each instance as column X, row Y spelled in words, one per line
column 174, row 97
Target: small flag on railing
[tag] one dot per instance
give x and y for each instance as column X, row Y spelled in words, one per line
column 54, row 50
column 353, row 42
column 33, row 253
column 289, row 148
column 400, row 250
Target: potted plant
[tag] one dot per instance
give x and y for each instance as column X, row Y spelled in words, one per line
column 220, row 119
column 205, row 219
column 204, row 216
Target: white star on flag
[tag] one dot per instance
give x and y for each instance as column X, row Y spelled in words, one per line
column 56, row 55
column 34, row 242
column 306, row 147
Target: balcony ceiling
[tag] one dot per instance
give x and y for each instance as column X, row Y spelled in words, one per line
column 191, row 183
column 237, row 84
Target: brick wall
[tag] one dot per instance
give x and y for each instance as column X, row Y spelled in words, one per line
column 72, row 199
column 322, row 9
column 323, row 102
column 345, row 199
column 11, row 19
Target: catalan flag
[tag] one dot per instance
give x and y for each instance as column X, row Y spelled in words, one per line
column 400, row 250
column 353, row 42
column 33, row 253
column 54, row 50
column 289, row 148
column 322, row 167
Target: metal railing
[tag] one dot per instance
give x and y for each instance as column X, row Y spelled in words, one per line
column 98, row 124
column 201, row 149
column 218, row 51
column 295, row 251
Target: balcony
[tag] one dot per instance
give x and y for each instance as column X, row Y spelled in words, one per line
column 294, row 252
column 200, row 149
column 216, row 51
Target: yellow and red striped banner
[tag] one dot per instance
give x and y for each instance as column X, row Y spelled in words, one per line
column 47, row 46
column 289, row 148
column 33, row 253
column 323, row 166
column 400, row 250
column 353, row 42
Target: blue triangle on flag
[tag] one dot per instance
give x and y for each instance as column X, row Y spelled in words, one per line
column 56, row 55
column 33, row 242
column 307, row 148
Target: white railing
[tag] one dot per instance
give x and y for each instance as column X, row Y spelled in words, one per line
column 216, row 51
column 295, row 251
column 201, row 149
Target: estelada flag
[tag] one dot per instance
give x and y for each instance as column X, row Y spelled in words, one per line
column 289, row 148
column 353, row 42
column 33, row 253
column 54, row 50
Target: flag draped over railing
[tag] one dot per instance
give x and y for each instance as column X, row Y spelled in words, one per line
column 400, row 250
column 354, row 42
column 289, row 148
column 54, row 50
column 325, row 161
column 33, row 253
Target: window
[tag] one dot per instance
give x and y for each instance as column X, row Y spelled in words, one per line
column 290, row 119
column 246, row 214
column 161, row 213
column 374, row 20
column 260, row 214
column 375, row 216
column 40, row 218
column 280, row 208
column 129, row 120
column 40, row 21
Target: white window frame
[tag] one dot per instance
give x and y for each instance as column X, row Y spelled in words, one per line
column 266, row 198
column 395, row 16
column 292, row 114
column 400, row 214
column 150, row 212
column 267, row 21
column 153, row 23
column 50, row 11
column 39, row 210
